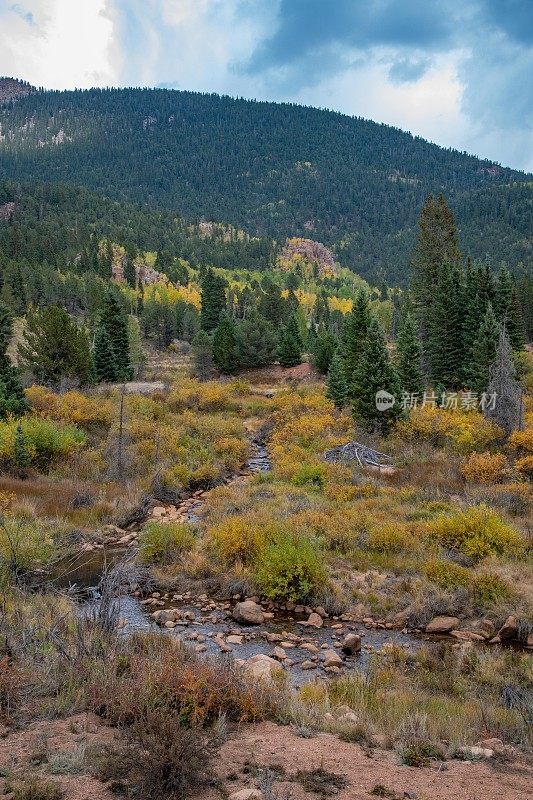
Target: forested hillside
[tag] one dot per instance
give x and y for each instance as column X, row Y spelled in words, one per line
column 273, row 170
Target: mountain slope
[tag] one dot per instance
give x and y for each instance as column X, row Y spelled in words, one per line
column 273, row 169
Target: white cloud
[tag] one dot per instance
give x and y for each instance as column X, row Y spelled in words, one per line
column 62, row 44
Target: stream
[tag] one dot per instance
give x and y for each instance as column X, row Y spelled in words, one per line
column 205, row 623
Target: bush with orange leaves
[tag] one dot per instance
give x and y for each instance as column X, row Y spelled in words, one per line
column 73, row 408
column 464, row 431
column 485, row 468
column 524, row 465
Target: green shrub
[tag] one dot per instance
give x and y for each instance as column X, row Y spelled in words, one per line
column 310, row 475
column 24, row 544
column 476, row 532
column 446, row 574
column 290, row 568
column 45, row 442
column 164, row 542
column 33, row 788
column 490, row 588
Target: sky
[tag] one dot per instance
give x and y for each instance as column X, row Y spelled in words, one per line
column 457, row 72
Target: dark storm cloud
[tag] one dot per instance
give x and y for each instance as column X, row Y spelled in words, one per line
column 514, row 17
column 310, row 27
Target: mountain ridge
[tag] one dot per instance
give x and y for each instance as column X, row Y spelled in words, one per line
column 274, row 170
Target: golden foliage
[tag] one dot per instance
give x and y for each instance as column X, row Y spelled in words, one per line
column 485, row 467
column 464, row 431
column 476, row 532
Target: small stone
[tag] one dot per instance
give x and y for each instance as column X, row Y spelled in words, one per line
column 321, row 612
column 280, row 653
column 310, row 647
column 200, row 648
column 476, row 752
column 308, row 665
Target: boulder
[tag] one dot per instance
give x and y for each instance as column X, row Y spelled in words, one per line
column 233, row 639
column 476, row 753
column 261, row 667
column 487, row 628
column 529, row 642
column 246, row 794
column 509, row 629
column 442, row 624
column 248, row 612
column 308, row 665
column 315, row 620
column 467, row 636
column 332, row 659
column 351, row 643
column 279, row 653
column 321, row 612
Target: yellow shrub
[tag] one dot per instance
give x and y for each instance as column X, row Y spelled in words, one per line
column 525, row 465
column 233, row 449
column 464, row 431
column 446, row 574
column 521, row 441
column 490, row 588
column 72, row 407
column 164, row 542
column 391, row 538
column 477, row 532
column 238, row 538
column 485, row 468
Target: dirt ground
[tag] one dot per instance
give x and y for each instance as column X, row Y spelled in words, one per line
column 253, row 748
column 270, row 745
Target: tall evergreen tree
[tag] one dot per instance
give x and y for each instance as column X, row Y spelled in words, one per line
column 12, row 398
column 337, row 385
column 514, row 322
column 225, row 347
column 105, row 367
column 409, row 365
column 323, row 347
column 213, row 300
column 436, row 247
column 354, row 333
column 290, row 345
column 484, row 351
column 115, row 321
column 503, row 294
column 375, row 373
column 444, row 343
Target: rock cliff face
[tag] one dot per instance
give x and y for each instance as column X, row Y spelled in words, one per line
column 12, row 89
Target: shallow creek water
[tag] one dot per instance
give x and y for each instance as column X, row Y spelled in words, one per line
column 208, row 624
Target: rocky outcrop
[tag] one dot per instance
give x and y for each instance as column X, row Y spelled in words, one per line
column 262, row 667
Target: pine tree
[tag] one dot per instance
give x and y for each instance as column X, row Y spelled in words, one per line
column 503, row 294
column 105, row 367
column 115, row 321
column 322, row 350
column 21, row 454
column 224, row 346
column 12, row 398
column 256, row 341
column 409, row 365
column 484, row 351
column 507, row 408
column 213, row 300
column 375, row 373
column 514, row 322
column 290, row 345
column 354, row 333
column 444, row 343
column 202, row 355
column 436, row 246
column 337, row 386
column 55, row 349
